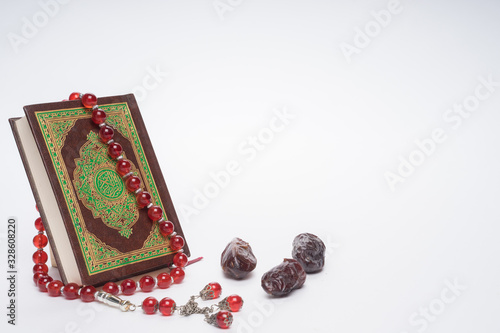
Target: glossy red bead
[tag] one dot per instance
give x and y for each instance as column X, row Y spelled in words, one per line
column 36, row 276
column 111, row 288
column 224, row 319
column 143, row 199
column 42, row 282
column 164, row 280
column 74, row 95
column 166, row 306
column 214, row 289
column 40, row 241
column 106, row 133
column 128, row 287
column 150, row 305
column 180, row 260
column 40, row 257
column 235, row 302
column 54, row 288
column 114, row 150
column 123, row 167
column 155, row 213
column 166, row 228
column 177, row 274
column 147, row 283
column 176, row 243
column 87, row 294
column 98, row 116
column 70, row 291
column 133, row 183
column 40, row 268
column 89, row 100
column 39, row 224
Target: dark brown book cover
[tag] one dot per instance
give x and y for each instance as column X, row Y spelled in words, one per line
column 110, row 237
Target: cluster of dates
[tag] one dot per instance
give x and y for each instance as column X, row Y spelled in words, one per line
column 308, row 254
column 308, row 257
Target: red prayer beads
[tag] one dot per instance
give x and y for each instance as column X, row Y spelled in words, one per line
column 164, row 280
column 115, row 150
column 123, row 167
column 40, row 268
column 155, row 213
column 89, row 100
column 180, row 259
column 150, row 305
column 166, row 306
column 87, row 293
column 211, row 291
column 111, row 288
column 128, row 287
column 143, row 199
column 224, row 319
column 166, row 228
column 40, row 257
column 147, row 283
column 133, row 183
column 70, row 291
column 235, row 302
column 176, row 243
column 106, row 133
column 39, row 224
column 54, row 288
column 75, row 95
column 42, row 282
column 216, row 288
column 40, row 241
column 36, row 276
column 98, row 116
column 177, row 274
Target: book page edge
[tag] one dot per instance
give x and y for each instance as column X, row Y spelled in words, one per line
column 46, row 200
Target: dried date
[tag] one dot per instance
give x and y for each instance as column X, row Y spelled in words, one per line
column 284, row 278
column 309, row 251
column 237, row 259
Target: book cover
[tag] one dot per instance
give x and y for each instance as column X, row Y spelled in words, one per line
column 109, row 236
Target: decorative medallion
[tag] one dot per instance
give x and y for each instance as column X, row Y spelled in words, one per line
column 101, row 189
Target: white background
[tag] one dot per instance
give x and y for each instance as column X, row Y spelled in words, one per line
column 221, row 74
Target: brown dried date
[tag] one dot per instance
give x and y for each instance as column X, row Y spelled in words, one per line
column 309, row 251
column 237, row 259
column 284, row 278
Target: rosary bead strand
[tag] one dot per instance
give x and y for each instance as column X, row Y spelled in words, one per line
column 55, row 288
column 223, row 318
column 127, row 287
column 133, row 182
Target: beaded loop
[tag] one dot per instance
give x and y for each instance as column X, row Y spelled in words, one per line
column 128, row 287
column 150, row 305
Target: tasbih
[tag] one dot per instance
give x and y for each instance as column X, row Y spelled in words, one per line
column 223, row 318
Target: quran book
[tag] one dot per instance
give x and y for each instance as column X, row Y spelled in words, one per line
column 95, row 229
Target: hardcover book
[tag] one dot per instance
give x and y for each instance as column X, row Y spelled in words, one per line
column 95, row 229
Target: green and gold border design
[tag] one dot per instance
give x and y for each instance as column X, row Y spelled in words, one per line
column 100, row 257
